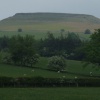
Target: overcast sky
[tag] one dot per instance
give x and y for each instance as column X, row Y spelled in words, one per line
column 11, row 7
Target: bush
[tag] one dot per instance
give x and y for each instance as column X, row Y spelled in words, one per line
column 87, row 31
column 5, row 57
column 57, row 63
column 20, row 30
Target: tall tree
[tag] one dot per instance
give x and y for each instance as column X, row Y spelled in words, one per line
column 22, row 50
column 93, row 48
column 48, row 45
column 72, row 42
column 4, row 42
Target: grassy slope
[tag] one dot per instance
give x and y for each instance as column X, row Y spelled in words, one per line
column 50, row 94
column 40, row 70
column 14, row 71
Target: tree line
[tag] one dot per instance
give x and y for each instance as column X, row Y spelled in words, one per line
column 25, row 50
column 62, row 45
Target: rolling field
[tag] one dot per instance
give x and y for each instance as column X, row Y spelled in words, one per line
column 37, row 34
column 74, row 68
column 51, row 26
column 14, row 71
column 50, row 94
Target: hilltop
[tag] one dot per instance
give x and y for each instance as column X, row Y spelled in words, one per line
column 54, row 17
column 50, row 21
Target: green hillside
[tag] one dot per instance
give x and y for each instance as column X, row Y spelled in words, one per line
column 50, row 22
column 74, row 68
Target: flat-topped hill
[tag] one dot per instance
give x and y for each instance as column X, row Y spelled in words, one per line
column 50, row 21
column 54, row 17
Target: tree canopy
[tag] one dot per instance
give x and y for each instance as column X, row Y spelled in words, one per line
column 93, row 48
column 22, row 50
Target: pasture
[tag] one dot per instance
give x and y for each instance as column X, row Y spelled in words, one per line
column 15, row 71
column 74, row 68
column 49, row 93
column 41, row 34
column 50, row 26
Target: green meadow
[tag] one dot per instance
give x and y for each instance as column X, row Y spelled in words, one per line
column 74, row 68
column 50, row 94
column 41, row 34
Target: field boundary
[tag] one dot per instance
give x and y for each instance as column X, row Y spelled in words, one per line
column 27, row 82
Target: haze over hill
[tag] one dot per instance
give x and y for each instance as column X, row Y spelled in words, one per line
column 50, row 22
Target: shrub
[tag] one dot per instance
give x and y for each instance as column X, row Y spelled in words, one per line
column 87, row 31
column 57, row 63
column 19, row 30
column 5, row 57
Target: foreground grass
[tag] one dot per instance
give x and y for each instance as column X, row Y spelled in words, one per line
column 49, row 93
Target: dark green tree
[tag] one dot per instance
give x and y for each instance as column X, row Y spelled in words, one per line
column 4, row 42
column 92, row 49
column 22, row 50
column 87, row 31
column 20, row 30
column 72, row 42
column 61, row 45
column 62, row 31
column 48, row 45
